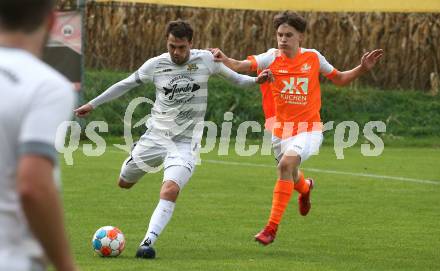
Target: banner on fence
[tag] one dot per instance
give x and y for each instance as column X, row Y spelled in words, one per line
column 63, row 51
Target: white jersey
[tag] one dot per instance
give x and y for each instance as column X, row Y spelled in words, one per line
column 34, row 100
column 181, row 91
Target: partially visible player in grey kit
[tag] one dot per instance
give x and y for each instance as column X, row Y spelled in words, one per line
column 181, row 80
column 34, row 101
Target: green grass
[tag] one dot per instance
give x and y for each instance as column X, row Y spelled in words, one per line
column 356, row 223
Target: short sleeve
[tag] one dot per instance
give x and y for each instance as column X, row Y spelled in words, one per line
column 262, row 61
column 208, row 59
column 325, row 67
column 145, row 73
column 51, row 105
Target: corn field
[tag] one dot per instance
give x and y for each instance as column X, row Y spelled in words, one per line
column 123, row 36
column 66, row 4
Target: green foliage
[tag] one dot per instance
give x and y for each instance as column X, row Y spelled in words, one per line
column 407, row 114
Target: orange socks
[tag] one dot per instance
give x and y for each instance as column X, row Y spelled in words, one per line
column 301, row 186
column 281, row 196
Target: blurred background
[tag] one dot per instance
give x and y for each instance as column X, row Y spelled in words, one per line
column 402, row 90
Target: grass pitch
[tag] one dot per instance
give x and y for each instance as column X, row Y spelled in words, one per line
column 356, row 222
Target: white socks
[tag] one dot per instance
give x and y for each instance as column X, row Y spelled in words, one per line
column 160, row 218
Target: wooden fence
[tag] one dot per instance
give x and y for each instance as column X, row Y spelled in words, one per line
column 123, row 36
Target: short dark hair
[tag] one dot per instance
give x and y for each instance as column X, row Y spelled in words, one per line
column 180, row 29
column 291, row 18
column 24, row 15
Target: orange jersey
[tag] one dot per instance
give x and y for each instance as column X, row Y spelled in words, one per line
column 267, row 104
column 296, row 90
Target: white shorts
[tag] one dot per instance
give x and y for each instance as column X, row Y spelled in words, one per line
column 304, row 144
column 152, row 151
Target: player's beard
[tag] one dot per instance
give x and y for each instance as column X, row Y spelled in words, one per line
column 180, row 61
column 177, row 60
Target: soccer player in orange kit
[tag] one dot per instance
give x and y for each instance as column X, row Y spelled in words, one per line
column 297, row 131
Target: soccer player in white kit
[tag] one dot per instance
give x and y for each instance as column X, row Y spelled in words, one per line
column 173, row 136
column 34, row 100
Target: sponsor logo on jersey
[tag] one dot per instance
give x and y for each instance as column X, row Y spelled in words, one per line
column 166, row 70
column 295, row 90
column 192, row 67
column 296, row 85
column 187, row 100
column 306, row 67
column 184, row 116
column 283, row 71
column 180, row 85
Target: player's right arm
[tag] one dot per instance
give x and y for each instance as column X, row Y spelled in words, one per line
column 34, row 174
column 233, row 76
column 251, row 64
column 143, row 75
column 240, row 66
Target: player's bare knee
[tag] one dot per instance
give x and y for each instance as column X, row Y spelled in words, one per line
column 170, row 191
column 285, row 166
column 288, row 164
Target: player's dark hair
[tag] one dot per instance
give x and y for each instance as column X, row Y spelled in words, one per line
column 24, row 15
column 180, row 29
column 291, row 18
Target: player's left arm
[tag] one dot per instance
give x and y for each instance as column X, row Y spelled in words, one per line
column 368, row 61
column 241, row 79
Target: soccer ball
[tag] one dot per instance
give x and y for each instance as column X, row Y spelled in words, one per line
column 108, row 241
